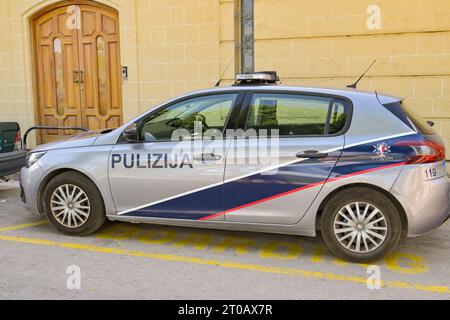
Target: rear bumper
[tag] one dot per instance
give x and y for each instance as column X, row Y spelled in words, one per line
column 11, row 162
column 426, row 202
column 29, row 187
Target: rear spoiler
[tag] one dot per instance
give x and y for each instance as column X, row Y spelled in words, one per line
column 386, row 99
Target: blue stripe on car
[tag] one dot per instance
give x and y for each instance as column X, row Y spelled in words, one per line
column 260, row 186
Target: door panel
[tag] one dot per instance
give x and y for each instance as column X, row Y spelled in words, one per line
column 163, row 177
column 57, row 58
column 78, row 70
column 256, row 193
column 99, row 61
column 145, row 184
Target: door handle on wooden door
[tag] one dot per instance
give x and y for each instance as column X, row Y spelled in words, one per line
column 76, row 78
column 81, row 76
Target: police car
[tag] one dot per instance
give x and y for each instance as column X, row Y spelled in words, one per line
column 358, row 168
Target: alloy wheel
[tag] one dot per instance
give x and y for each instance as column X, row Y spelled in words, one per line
column 70, row 206
column 360, row 227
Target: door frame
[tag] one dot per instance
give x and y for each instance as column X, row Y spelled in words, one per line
column 32, row 40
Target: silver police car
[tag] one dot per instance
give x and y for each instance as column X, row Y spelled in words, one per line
column 359, row 168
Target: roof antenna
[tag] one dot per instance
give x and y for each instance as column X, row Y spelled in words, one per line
column 353, row 86
column 224, row 72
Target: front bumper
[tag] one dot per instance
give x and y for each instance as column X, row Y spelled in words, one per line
column 29, row 187
column 426, row 202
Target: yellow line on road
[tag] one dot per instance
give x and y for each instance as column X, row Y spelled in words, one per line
column 23, row 226
column 224, row 264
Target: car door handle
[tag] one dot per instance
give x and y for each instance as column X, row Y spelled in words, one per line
column 207, row 157
column 311, row 154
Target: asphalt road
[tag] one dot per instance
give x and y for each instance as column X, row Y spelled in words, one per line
column 128, row 261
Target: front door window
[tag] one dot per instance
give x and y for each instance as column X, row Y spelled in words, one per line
column 196, row 116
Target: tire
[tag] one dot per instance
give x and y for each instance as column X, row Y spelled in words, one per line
column 93, row 218
column 335, row 226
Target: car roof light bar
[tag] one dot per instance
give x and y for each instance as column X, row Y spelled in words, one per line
column 265, row 77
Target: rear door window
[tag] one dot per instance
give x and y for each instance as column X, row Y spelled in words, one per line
column 338, row 117
column 296, row 115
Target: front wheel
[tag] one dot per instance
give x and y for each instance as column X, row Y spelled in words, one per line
column 73, row 204
column 360, row 224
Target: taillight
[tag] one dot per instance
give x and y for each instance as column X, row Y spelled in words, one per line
column 426, row 151
column 18, row 141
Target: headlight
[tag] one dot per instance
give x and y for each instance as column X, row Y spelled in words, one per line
column 32, row 157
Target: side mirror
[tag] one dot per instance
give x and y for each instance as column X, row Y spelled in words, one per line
column 431, row 123
column 130, row 134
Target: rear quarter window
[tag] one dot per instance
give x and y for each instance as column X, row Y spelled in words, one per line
column 410, row 117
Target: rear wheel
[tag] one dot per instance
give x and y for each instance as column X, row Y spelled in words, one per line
column 73, row 204
column 360, row 224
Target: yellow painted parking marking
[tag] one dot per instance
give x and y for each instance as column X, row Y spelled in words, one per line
column 318, row 254
column 397, row 262
column 339, row 262
column 197, row 241
column 404, row 263
column 270, row 250
column 158, row 236
column 241, row 245
column 23, row 226
column 224, row 264
column 415, row 264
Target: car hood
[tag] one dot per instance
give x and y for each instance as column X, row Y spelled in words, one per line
column 78, row 140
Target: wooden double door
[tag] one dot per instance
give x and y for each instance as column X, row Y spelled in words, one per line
column 78, row 70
